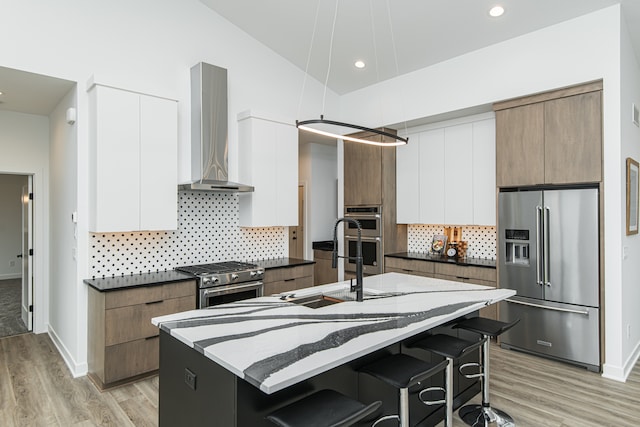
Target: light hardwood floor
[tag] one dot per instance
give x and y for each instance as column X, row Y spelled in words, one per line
column 36, row 389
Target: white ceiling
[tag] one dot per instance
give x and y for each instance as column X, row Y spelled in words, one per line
column 31, row 93
column 425, row 31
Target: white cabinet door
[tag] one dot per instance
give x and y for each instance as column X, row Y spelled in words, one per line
column 458, row 185
column 115, row 160
column 268, row 150
column 408, row 181
column 133, row 150
column 484, row 172
column 158, row 164
column 432, row 176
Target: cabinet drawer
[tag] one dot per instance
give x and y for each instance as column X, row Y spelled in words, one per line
column 410, row 265
column 131, row 358
column 147, row 294
column 288, row 285
column 278, row 274
column 133, row 322
column 466, row 272
column 412, row 272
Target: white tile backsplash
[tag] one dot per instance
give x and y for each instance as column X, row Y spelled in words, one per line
column 208, row 231
column 481, row 240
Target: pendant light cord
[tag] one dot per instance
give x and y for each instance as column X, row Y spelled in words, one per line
column 306, row 68
column 326, row 80
column 395, row 58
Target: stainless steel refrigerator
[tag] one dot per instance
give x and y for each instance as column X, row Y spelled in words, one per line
column 549, row 253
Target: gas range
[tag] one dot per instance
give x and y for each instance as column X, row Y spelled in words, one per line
column 223, row 273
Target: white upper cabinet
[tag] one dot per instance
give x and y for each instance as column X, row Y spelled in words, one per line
column 268, row 153
column 133, row 161
column 484, row 172
column 446, row 174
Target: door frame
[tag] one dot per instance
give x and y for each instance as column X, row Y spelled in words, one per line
column 26, row 306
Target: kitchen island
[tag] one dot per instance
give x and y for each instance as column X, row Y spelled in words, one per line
column 234, row 363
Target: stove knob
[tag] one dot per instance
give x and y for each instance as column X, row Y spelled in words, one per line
column 215, row 279
column 206, row 280
column 234, row 276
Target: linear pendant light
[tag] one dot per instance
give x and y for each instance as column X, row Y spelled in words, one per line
column 326, row 127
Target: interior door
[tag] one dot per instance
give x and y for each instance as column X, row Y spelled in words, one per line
column 27, row 267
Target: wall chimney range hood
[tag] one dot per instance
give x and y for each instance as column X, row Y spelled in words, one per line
column 209, row 135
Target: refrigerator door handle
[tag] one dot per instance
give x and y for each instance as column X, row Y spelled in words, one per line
column 538, row 244
column 546, row 307
column 546, row 247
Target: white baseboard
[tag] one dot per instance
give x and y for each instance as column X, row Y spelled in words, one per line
column 76, row 369
column 621, row 373
column 8, row 276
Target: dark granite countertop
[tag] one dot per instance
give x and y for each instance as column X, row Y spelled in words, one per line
column 424, row 256
column 151, row 279
column 134, row 280
column 281, row 262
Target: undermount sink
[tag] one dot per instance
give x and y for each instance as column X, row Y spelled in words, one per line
column 315, row 301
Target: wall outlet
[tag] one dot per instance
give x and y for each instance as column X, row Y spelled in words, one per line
column 12, row 263
column 190, row 378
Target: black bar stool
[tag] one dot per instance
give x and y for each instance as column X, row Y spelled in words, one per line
column 485, row 415
column 324, row 408
column 402, row 372
column 451, row 348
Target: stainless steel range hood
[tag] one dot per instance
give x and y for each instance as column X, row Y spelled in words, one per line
column 209, row 136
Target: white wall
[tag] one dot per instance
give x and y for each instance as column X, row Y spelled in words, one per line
column 628, row 319
column 65, row 326
column 557, row 56
column 147, row 46
column 323, row 198
column 11, row 225
column 24, row 144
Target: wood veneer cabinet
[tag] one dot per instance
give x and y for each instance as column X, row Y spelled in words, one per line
column 442, row 270
column 123, row 343
column 550, row 138
column 277, row 280
column 369, row 172
column 323, row 273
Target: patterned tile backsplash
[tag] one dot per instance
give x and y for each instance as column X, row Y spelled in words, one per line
column 481, row 240
column 208, row 231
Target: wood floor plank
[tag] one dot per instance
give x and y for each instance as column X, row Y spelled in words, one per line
column 37, row 389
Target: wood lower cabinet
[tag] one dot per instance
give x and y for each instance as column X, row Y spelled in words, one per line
column 323, row 273
column 123, row 343
column 441, row 270
column 550, row 138
column 409, row 266
column 284, row 279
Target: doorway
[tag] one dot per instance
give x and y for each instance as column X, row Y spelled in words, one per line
column 16, row 272
column 296, row 234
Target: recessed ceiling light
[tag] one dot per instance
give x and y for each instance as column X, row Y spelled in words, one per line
column 359, row 64
column 0, row 92
column 496, row 11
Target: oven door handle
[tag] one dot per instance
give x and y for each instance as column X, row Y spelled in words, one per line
column 364, row 238
column 221, row 290
column 362, row 215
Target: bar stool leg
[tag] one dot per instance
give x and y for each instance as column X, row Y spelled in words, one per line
column 484, row 415
column 404, row 407
column 448, row 419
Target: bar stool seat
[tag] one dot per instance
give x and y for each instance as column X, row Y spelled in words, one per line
column 402, row 372
column 324, row 408
column 484, row 415
column 451, row 348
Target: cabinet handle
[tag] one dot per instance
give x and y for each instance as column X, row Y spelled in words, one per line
column 154, row 302
column 289, row 280
column 463, row 278
column 153, row 337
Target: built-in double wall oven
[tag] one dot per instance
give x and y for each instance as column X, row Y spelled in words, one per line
column 370, row 219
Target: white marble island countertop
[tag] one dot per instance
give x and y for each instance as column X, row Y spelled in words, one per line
column 272, row 343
